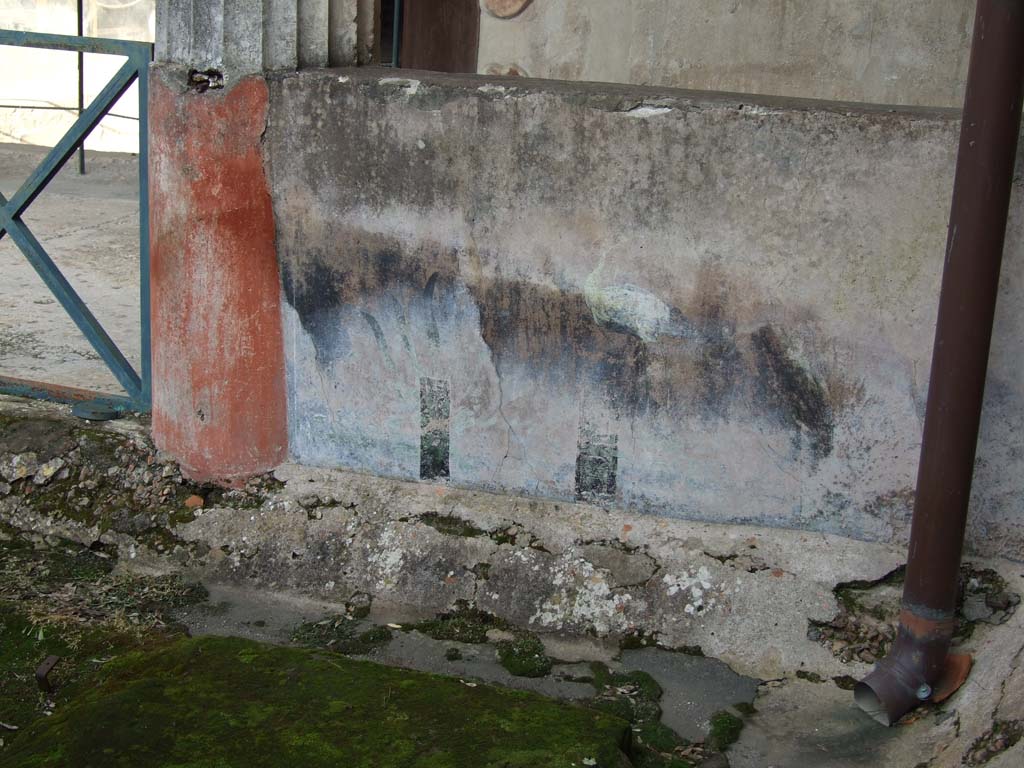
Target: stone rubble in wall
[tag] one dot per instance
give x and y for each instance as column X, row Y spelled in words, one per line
column 107, row 483
column 866, row 632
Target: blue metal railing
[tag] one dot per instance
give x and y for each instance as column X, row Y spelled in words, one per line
column 137, row 384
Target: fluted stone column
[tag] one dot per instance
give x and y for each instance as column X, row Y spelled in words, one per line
column 242, row 37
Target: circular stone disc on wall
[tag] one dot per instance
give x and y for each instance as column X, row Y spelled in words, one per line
column 506, row 9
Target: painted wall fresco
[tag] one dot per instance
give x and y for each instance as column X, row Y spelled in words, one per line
column 703, row 308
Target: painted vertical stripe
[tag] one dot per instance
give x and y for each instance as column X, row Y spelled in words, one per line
column 597, row 464
column 435, row 414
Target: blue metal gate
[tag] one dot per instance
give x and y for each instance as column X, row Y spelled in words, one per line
column 136, row 383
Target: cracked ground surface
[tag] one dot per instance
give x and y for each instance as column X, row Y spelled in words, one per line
column 475, row 585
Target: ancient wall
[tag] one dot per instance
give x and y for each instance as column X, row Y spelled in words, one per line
column 683, row 304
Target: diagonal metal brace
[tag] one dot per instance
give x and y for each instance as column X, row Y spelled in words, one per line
column 134, row 69
column 71, row 301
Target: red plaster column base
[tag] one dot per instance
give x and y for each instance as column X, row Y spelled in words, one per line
column 219, row 402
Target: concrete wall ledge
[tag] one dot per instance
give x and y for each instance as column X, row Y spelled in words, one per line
column 615, row 97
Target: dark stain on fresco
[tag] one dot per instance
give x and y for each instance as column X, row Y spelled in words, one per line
column 315, row 295
column 721, row 369
column 429, row 294
column 796, row 397
column 720, row 365
column 435, row 413
column 550, row 331
column 378, row 335
column 332, row 296
column 597, row 464
column 554, row 333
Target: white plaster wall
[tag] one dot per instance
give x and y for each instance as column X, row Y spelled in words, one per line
column 850, row 50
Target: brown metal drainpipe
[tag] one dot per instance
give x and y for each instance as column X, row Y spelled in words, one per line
column 919, row 666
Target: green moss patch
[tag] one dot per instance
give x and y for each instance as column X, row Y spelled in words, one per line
column 846, row 682
column 524, row 656
column 341, row 634
column 811, row 677
column 226, row 702
column 725, row 730
column 634, row 696
column 451, row 525
column 463, row 625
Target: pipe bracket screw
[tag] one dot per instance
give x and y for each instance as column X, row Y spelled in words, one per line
column 924, row 692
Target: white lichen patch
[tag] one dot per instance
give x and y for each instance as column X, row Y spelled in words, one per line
column 584, row 599
column 757, row 110
column 694, row 586
column 386, row 556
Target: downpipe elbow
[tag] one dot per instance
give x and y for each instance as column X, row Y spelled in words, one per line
column 919, row 668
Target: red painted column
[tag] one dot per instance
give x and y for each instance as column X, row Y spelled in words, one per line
column 218, row 358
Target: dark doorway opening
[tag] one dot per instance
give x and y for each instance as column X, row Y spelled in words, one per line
column 438, row 35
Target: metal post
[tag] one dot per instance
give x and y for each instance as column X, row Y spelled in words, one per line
column 146, row 362
column 81, row 82
column 396, row 33
column 918, row 667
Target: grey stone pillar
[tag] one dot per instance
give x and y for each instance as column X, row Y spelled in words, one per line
column 241, row 37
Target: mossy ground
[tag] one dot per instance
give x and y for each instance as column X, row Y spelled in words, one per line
column 65, row 600
column 23, row 646
column 63, row 585
column 634, row 696
column 231, row 702
column 131, row 690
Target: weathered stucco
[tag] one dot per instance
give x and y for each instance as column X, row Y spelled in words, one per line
column 681, row 304
column 218, row 357
column 851, row 50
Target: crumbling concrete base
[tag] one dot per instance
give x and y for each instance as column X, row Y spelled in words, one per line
column 742, row 594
